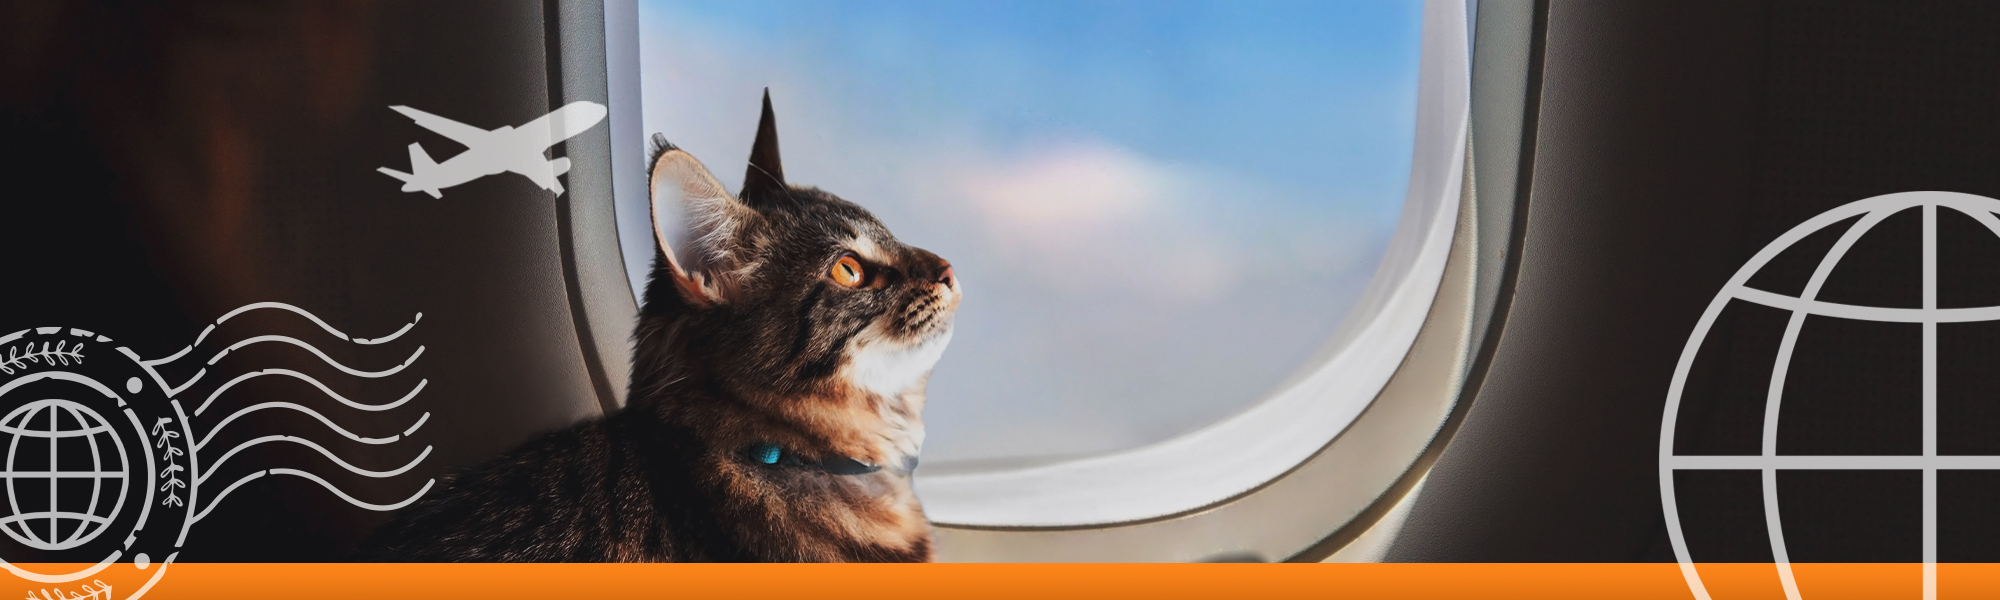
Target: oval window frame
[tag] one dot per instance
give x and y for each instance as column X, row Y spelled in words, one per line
column 1330, row 456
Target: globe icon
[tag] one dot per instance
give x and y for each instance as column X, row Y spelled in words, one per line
column 1768, row 461
column 66, row 474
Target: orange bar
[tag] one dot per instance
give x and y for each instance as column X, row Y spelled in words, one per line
column 877, row 582
column 1043, row 581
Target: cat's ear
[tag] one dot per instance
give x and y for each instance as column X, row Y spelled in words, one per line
column 765, row 180
column 696, row 224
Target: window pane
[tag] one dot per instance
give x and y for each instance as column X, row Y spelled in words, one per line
column 1159, row 210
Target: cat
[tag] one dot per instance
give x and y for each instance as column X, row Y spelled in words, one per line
column 780, row 360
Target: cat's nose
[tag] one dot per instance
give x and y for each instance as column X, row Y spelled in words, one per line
column 924, row 266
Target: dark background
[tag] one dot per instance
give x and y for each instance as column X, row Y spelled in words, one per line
column 166, row 162
column 1671, row 141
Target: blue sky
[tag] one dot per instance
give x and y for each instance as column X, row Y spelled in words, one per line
column 1158, row 208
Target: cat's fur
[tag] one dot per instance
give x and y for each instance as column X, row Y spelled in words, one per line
column 743, row 342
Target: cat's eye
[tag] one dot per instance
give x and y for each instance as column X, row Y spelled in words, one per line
column 1102, row 232
column 847, row 271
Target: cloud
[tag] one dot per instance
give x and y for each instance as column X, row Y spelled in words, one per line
column 1088, row 214
column 1115, row 295
column 1067, row 185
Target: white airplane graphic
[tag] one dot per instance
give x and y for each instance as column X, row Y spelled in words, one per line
column 507, row 149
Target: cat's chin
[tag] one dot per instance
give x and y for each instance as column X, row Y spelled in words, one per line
column 893, row 368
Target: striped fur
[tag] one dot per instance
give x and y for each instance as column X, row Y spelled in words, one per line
column 743, row 340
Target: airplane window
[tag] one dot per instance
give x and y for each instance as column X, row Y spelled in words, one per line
column 1161, row 211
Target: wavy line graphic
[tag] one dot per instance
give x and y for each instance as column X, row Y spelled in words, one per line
column 200, row 470
column 315, row 479
column 293, row 309
column 322, row 356
column 292, row 406
column 419, row 423
column 175, row 390
column 210, row 469
column 316, row 383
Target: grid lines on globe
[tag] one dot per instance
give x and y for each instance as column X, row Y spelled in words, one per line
column 1877, row 399
column 64, row 475
column 1724, row 407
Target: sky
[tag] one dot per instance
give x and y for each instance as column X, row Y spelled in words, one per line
column 1157, row 210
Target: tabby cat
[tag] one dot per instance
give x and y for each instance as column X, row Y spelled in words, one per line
column 777, row 384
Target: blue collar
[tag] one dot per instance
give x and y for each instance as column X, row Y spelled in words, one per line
column 768, row 453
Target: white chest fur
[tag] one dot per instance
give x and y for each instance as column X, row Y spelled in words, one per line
column 895, row 374
column 889, row 370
